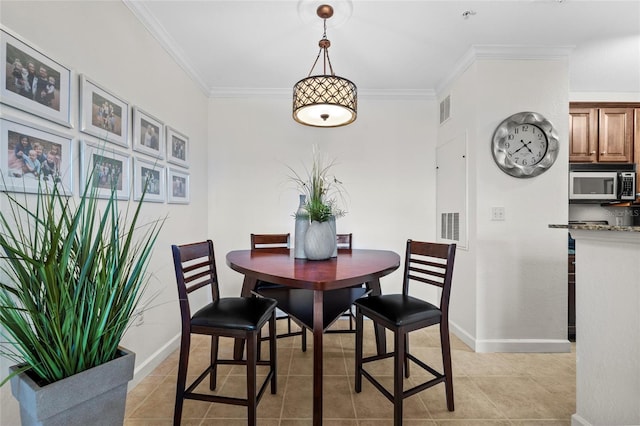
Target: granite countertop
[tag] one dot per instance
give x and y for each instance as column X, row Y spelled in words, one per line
column 622, row 228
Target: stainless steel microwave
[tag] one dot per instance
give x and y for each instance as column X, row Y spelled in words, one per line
column 595, row 182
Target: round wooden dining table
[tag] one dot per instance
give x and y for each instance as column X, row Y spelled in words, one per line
column 350, row 268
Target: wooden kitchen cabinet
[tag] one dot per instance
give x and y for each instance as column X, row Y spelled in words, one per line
column 601, row 133
column 636, row 138
column 583, row 134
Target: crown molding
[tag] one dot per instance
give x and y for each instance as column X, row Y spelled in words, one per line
column 158, row 32
column 241, row 92
column 475, row 52
column 503, row 52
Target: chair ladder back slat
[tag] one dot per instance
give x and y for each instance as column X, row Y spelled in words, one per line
column 270, row 241
column 426, row 280
column 190, row 267
column 435, row 271
column 198, row 275
column 193, row 287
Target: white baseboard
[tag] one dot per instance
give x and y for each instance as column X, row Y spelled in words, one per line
column 576, row 420
column 524, row 345
column 463, row 335
column 511, row 345
column 150, row 364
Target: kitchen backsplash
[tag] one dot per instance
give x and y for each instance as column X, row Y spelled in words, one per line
column 613, row 215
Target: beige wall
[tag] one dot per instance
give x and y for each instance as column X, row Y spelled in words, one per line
column 104, row 41
column 385, row 160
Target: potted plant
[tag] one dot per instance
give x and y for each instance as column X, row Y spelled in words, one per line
column 321, row 191
column 73, row 274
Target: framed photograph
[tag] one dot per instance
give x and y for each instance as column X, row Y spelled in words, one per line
column 103, row 114
column 148, row 134
column 177, row 148
column 149, row 174
column 31, row 155
column 177, row 186
column 105, row 166
column 33, row 82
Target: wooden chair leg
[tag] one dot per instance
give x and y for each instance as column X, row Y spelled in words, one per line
column 398, row 361
column 304, row 339
column 183, row 365
column 252, row 403
column 406, row 356
column 259, row 349
column 358, row 354
column 213, row 382
column 350, row 319
column 273, row 353
column 446, row 362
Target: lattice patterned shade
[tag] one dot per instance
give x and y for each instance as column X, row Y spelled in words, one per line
column 325, row 101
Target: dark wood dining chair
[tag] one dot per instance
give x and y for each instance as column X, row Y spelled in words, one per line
column 425, row 263
column 277, row 243
column 235, row 317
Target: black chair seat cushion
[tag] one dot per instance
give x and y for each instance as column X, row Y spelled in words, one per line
column 238, row 313
column 399, row 309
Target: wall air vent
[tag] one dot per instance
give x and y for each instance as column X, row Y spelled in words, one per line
column 450, row 226
column 445, row 109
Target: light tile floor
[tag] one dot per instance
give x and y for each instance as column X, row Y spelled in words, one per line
column 490, row 388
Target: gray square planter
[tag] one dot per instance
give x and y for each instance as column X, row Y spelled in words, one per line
column 93, row 397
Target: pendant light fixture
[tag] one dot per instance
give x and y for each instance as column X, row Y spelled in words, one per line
column 325, row 100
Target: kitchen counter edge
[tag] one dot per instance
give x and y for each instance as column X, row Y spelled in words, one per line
column 619, row 228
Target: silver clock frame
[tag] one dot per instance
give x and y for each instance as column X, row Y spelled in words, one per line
column 499, row 150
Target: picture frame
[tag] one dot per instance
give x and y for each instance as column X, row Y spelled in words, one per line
column 105, row 164
column 148, row 134
column 177, row 148
column 150, row 174
column 33, row 82
column 103, row 114
column 178, row 191
column 48, row 157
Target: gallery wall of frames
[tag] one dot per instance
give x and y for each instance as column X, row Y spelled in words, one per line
column 122, row 144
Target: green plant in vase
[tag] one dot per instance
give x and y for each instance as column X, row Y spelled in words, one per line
column 321, row 190
column 73, row 273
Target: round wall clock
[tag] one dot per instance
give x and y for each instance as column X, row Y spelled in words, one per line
column 525, row 145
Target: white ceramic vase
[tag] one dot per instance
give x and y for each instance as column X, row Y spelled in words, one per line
column 319, row 241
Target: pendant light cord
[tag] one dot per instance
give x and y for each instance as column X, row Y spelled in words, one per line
column 324, row 46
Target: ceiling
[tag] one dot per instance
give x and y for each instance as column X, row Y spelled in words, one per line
column 388, row 46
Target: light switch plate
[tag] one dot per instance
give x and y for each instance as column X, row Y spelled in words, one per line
column 497, row 213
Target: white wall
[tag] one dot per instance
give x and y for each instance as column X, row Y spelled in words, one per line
column 464, row 298
column 385, row 160
column 522, row 278
column 107, row 43
column 513, row 292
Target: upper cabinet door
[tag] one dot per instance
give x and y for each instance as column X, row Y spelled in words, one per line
column 583, row 135
column 615, row 140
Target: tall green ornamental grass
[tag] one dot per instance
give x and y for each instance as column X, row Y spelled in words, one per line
column 321, row 189
column 74, row 272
